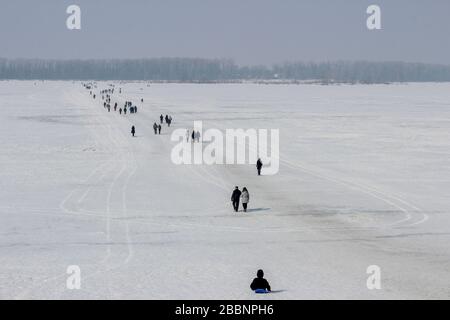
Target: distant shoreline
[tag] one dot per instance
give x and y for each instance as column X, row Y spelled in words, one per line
column 234, row 82
column 198, row 70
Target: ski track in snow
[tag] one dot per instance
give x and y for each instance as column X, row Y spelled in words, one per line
column 390, row 199
column 111, row 179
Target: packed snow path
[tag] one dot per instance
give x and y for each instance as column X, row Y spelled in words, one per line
column 364, row 180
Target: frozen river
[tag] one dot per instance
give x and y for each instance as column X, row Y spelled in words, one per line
column 364, row 180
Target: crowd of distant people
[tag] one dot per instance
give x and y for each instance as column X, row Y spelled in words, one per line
column 259, row 284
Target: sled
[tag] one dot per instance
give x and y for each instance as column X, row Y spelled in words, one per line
column 261, row 291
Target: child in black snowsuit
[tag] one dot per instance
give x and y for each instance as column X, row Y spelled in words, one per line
column 260, row 283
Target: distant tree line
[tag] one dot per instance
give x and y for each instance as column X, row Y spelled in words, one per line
column 220, row 70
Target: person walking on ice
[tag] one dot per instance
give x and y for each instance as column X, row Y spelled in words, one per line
column 159, row 129
column 161, row 118
column 155, row 128
column 259, row 284
column 245, row 198
column 259, row 166
column 235, row 197
column 133, row 130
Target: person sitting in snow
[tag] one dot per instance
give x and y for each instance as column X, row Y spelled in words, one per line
column 259, row 283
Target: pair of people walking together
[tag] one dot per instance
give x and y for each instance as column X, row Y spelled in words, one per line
column 240, row 196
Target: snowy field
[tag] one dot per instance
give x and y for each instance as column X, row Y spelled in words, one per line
column 364, row 180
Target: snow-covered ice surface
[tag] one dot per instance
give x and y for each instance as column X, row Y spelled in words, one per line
column 364, row 180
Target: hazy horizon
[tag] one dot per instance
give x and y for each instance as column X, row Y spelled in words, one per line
column 268, row 65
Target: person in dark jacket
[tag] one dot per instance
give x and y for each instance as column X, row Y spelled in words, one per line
column 259, row 166
column 161, row 118
column 155, row 128
column 159, row 129
column 259, row 283
column 133, row 130
column 235, row 197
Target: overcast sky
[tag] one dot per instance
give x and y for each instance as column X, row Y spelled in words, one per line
column 248, row 31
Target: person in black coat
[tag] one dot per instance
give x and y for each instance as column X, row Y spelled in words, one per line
column 235, row 197
column 259, row 165
column 133, row 130
column 259, row 282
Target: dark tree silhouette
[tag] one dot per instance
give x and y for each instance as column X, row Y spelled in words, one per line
column 220, row 70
